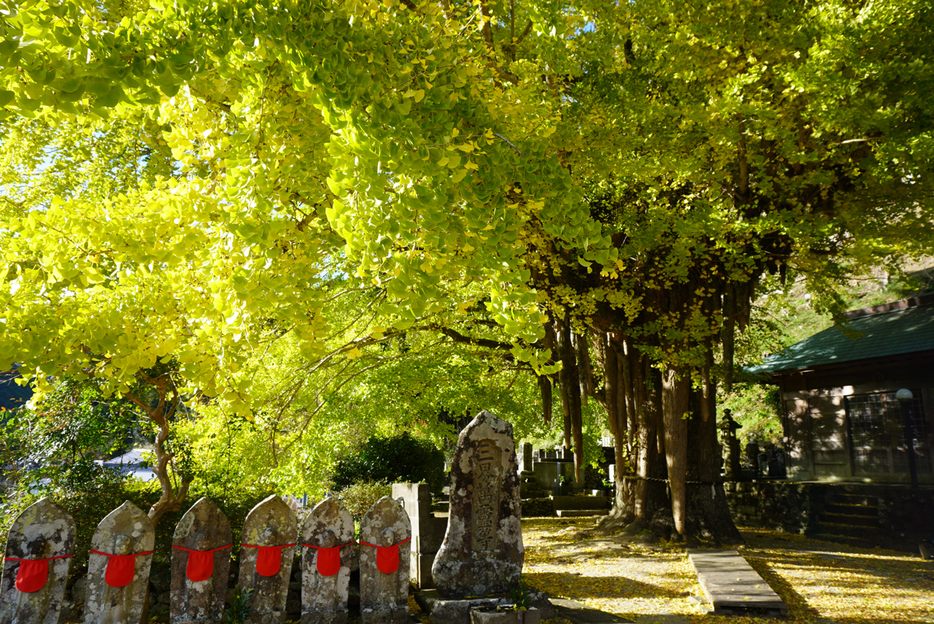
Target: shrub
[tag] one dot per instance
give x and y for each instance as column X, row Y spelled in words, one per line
column 360, row 496
column 400, row 458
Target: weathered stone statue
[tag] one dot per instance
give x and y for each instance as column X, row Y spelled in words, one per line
column 35, row 566
column 385, row 552
column 482, row 551
column 118, row 570
column 327, row 537
column 200, row 565
column 270, row 536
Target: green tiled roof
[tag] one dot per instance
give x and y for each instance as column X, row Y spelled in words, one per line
column 878, row 334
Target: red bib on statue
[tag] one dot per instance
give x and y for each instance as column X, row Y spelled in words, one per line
column 329, row 561
column 120, row 570
column 200, row 565
column 387, row 558
column 32, row 574
column 268, row 560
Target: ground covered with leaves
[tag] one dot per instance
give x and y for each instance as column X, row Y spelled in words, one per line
column 646, row 581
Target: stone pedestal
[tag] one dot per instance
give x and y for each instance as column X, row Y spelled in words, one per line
column 532, row 616
column 458, row 611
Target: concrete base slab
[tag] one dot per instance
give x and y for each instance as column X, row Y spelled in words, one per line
column 442, row 610
column 578, row 613
column 581, row 513
column 732, row 586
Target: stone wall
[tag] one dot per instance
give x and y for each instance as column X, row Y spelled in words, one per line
column 537, row 507
column 908, row 512
column 796, row 507
column 781, row 505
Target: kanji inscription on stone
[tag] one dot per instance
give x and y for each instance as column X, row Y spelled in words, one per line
column 482, row 552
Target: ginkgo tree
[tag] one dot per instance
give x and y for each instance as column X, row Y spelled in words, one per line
column 614, row 179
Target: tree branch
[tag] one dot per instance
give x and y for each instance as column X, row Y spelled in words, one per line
column 478, row 342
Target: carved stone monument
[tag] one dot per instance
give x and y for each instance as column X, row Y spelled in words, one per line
column 385, row 535
column 270, row 534
column 327, row 537
column 482, row 551
column 200, row 565
column 35, row 566
column 118, row 570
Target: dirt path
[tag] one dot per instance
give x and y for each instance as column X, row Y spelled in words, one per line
column 644, row 582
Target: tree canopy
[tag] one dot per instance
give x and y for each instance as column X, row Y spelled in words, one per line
column 191, row 181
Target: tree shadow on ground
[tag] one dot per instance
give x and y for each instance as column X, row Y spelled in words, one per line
column 852, row 571
column 798, row 606
column 580, row 586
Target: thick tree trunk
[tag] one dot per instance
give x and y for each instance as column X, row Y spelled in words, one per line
column 641, row 499
column 709, row 516
column 676, row 392
column 544, row 386
column 648, row 441
column 571, row 398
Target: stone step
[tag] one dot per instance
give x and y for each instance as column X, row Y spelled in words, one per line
column 845, row 530
column 863, row 500
column 851, row 510
column 579, row 513
column 732, row 586
column 847, row 540
column 580, row 502
column 847, row 519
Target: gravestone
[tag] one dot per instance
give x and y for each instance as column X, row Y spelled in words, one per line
column 270, row 533
column 118, row 569
column 777, row 463
column 39, row 548
column 427, row 530
column 752, row 455
column 327, row 536
column 482, row 551
column 385, row 534
column 200, row 565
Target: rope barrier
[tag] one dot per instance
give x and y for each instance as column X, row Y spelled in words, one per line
column 638, row 478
